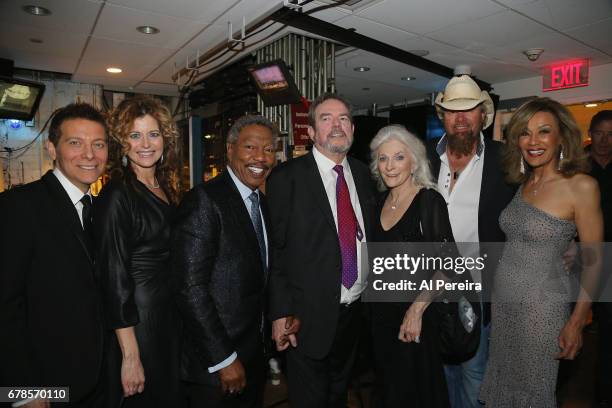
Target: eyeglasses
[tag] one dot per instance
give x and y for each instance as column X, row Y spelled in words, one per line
column 601, row 133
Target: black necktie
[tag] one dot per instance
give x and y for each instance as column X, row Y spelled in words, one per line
column 257, row 224
column 87, row 222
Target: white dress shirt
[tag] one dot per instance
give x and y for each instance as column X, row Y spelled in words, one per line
column 463, row 201
column 329, row 178
column 73, row 191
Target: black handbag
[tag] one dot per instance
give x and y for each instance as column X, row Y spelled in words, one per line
column 459, row 329
column 459, row 317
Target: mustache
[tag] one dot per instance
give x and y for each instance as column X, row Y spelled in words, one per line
column 336, row 133
column 260, row 165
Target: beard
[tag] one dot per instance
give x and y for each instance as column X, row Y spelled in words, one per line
column 335, row 148
column 462, row 144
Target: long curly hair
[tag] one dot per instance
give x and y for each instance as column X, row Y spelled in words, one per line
column 120, row 123
column 574, row 158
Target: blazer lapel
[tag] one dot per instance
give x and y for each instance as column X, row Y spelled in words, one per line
column 313, row 181
column 66, row 210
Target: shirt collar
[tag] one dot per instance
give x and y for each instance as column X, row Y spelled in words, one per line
column 244, row 190
column 441, row 146
column 324, row 162
column 73, row 191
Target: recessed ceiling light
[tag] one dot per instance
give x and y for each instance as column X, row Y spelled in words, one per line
column 408, row 78
column 591, row 105
column 146, row 29
column 361, row 69
column 36, row 40
column 114, row 70
column 36, row 10
column 420, row 53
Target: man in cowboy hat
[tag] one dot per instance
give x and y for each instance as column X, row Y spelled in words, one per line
column 471, row 180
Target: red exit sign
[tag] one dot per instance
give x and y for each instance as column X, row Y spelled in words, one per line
column 563, row 75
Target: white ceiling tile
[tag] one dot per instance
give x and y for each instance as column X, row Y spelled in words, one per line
column 72, row 16
column 202, row 10
column 376, row 30
column 119, row 23
column 496, row 30
column 597, row 34
column 60, row 43
column 329, row 14
column 564, row 14
column 424, row 16
column 117, row 53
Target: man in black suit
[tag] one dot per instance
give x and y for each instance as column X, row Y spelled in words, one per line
column 320, row 208
column 470, row 177
column 49, row 308
column 220, row 262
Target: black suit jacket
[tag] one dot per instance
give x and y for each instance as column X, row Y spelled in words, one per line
column 49, row 306
column 221, row 281
column 306, row 274
column 495, row 194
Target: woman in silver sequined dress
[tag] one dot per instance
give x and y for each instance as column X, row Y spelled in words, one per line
column 532, row 326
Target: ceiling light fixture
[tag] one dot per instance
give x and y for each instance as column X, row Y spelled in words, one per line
column 114, row 70
column 420, row 53
column 591, row 105
column 147, row 29
column 361, row 69
column 408, row 78
column 36, row 10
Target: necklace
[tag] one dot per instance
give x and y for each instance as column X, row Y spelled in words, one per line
column 395, row 202
column 155, row 184
column 538, row 185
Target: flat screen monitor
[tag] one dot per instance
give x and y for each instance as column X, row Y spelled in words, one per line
column 275, row 83
column 19, row 99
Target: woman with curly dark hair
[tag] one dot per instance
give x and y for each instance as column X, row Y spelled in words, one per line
column 531, row 323
column 133, row 251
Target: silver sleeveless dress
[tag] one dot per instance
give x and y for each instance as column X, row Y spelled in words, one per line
column 530, row 305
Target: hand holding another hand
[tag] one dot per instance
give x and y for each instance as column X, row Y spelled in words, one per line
column 284, row 332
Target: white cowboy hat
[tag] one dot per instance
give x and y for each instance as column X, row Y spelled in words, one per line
column 461, row 94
